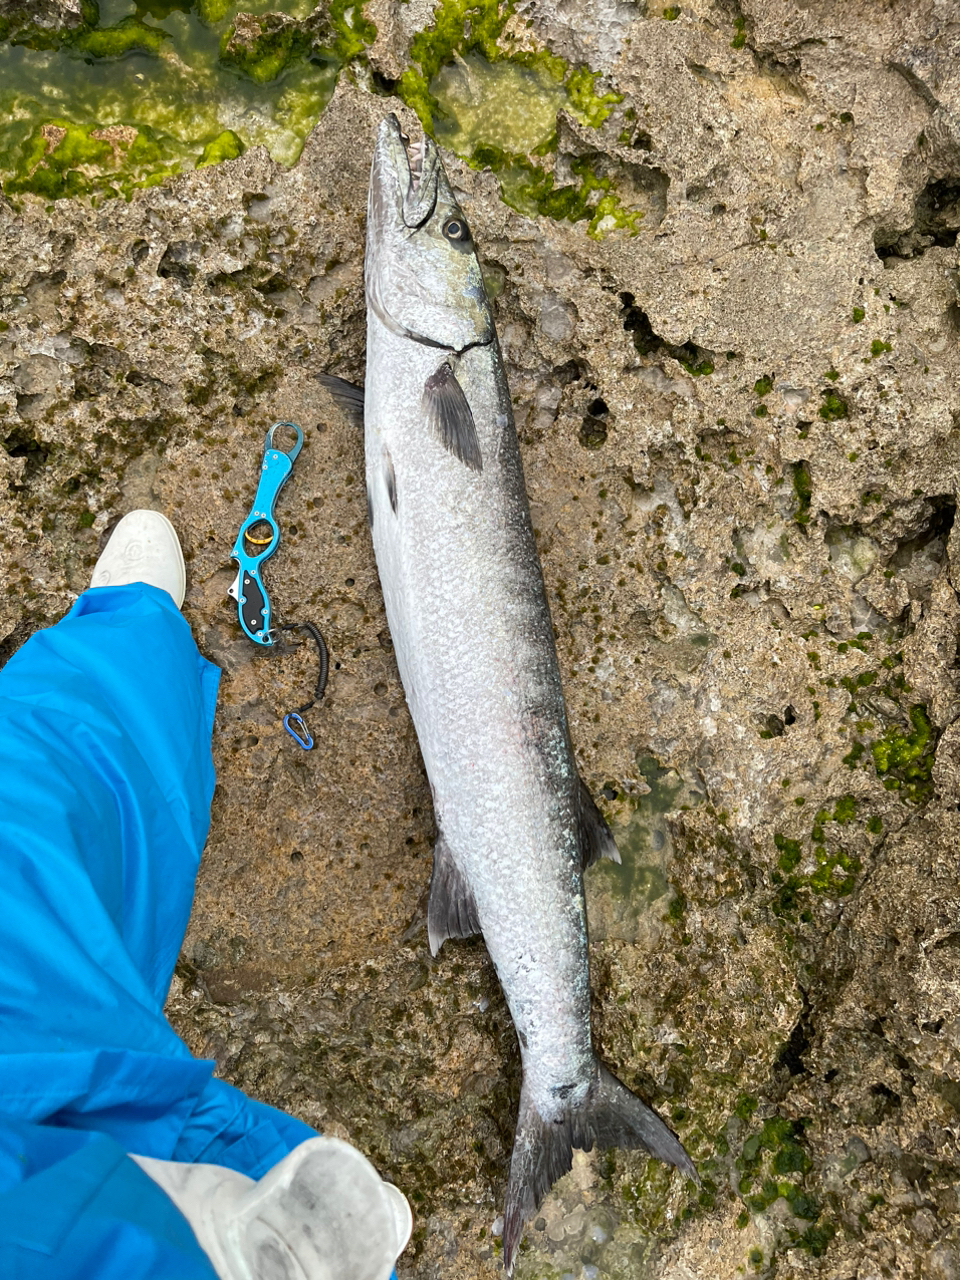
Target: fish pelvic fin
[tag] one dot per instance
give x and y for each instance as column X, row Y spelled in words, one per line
column 609, row 1116
column 596, row 838
column 451, row 910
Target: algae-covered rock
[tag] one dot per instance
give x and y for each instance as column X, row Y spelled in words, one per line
column 721, row 243
column 44, row 23
column 262, row 46
column 130, row 35
column 271, row 93
column 225, row 146
column 64, row 159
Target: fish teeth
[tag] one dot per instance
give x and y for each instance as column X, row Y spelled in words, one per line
column 415, row 159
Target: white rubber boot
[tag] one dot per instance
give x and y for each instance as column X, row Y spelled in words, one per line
column 144, row 547
column 322, row 1213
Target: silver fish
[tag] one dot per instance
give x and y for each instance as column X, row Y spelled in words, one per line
column 474, row 643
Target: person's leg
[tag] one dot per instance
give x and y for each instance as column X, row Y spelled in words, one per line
column 105, row 762
column 105, row 755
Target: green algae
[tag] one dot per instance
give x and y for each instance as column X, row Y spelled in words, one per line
column 834, row 870
column 903, row 754
column 93, row 79
column 213, row 11
column 19, row 27
column 459, row 26
column 353, row 30
column 834, row 407
column 620, row 897
column 904, row 759
column 502, row 105
column 592, row 108
column 791, row 852
column 531, row 189
column 803, row 488
column 59, row 158
column 773, row 1165
column 265, row 49
column 225, row 146
column 497, row 108
column 130, row 35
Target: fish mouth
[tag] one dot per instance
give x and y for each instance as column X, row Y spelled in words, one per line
column 416, row 155
column 407, row 171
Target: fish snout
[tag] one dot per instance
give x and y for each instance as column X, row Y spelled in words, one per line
column 403, row 178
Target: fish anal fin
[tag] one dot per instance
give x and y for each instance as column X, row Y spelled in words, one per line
column 450, row 417
column 451, row 911
column 607, row 1115
column 596, row 838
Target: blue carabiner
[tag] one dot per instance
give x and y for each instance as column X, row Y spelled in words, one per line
column 294, row 718
column 253, row 605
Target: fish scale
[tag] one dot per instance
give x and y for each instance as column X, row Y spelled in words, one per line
column 474, row 644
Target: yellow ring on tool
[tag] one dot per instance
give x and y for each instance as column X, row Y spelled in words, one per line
column 260, row 542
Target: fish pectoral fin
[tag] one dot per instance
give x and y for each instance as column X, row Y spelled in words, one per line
column 348, row 396
column 451, row 911
column 596, row 838
column 449, row 415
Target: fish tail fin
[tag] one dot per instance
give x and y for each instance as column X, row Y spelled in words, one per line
column 609, row 1116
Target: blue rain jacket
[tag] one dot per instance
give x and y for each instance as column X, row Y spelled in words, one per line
column 106, row 778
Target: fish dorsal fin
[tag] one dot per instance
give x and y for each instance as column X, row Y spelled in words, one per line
column 449, row 415
column 451, row 911
column 596, row 838
column 348, row 396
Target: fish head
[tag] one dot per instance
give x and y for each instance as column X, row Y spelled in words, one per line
column 422, row 275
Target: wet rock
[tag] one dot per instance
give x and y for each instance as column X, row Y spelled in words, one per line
column 738, row 420
column 19, row 18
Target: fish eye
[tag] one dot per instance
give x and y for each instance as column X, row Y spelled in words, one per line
column 455, row 228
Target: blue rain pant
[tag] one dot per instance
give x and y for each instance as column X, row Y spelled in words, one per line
column 106, row 778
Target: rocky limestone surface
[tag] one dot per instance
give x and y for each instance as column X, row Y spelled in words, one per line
column 739, row 421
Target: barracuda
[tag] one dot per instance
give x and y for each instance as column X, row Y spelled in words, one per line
column 474, row 643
